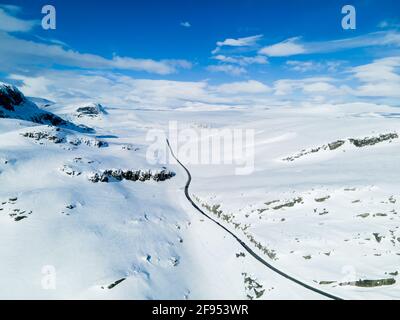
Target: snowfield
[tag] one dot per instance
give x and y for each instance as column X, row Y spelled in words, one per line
column 84, row 214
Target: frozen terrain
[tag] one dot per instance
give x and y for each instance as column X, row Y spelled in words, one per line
column 78, row 197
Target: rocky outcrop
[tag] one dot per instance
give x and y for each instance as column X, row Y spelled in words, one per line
column 10, row 97
column 93, row 110
column 364, row 142
column 45, row 135
column 370, row 141
column 14, row 105
column 131, row 175
column 70, row 170
column 58, row 135
column 90, row 142
column 336, row 144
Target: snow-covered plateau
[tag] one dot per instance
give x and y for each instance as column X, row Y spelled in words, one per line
column 85, row 215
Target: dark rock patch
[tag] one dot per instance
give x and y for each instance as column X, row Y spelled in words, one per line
column 14, row 105
column 93, row 110
column 114, row 284
column 43, row 135
column 364, row 142
column 370, row 141
column 131, row 175
column 10, row 97
column 370, row 283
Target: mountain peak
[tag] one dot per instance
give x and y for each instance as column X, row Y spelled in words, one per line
column 14, row 105
column 10, row 97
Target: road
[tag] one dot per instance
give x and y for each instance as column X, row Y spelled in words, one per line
column 242, row 243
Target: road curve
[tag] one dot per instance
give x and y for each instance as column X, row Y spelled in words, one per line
column 244, row 245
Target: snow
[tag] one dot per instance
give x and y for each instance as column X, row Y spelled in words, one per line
column 340, row 242
column 92, row 235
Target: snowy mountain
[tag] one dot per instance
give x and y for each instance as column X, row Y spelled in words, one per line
column 13, row 104
column 84, row 214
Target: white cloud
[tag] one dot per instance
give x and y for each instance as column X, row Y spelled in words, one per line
column 378, row 71
column 52, row 41
column 240, row 42
column 227, row 68
column 390, row 23
column 20, row 54
column 294, row 46
column 73, row 87
column 10, row 23
column 185, row 24
column 285, row 48
column 11, row 9
column 110, row 88
column 286, row 87
column 250, row 86
column 383, row 24
column 241, row 60
column 23, row 53
column 318, row 87
column 382, row 90
column 381, row 78
column 306, row 66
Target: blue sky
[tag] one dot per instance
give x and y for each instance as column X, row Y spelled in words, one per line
column 258, row 41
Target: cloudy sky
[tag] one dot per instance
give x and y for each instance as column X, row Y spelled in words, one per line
column 200, row 53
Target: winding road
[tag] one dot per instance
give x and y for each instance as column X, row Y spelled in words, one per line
column 242, row 243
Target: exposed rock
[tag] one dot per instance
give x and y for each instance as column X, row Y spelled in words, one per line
column 10, row 97
column 19, row 218
column 370, row 141
column 330, row 146
column 57, row 135
column 130, row 147
column 131, row 175
column 322, row 199
column 91, row 142
column 254, row 290
column 114, row 284
column 305, row 152
column 14, row 105
column 370, row 283
column 336, row 144
column 92, row 110
column 44, row 135
column 378, row 237
column 71, row 171
column 289, row 204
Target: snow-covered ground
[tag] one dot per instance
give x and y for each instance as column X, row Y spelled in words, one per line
column 324, row 197
column 321, row 205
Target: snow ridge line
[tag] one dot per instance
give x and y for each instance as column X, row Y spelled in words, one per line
column 241, row 242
